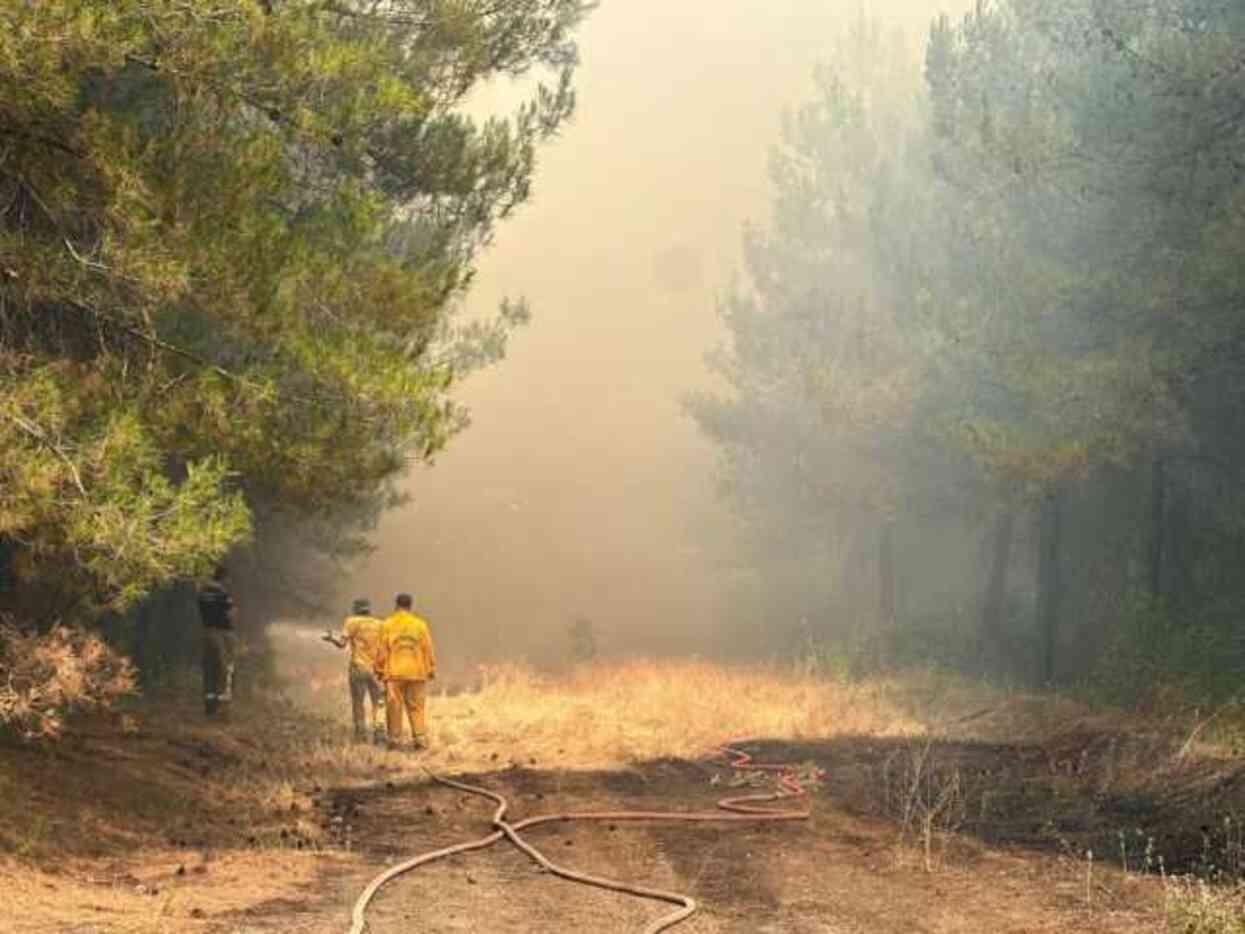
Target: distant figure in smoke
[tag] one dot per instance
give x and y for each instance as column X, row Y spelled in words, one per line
column 583, row 640
column 405, row 662
column 218, row 613
column 361, row 633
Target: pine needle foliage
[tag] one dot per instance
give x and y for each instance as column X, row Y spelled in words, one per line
column 232, row 234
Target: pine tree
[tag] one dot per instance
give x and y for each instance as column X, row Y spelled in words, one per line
column 825, row 434
column 232, row 234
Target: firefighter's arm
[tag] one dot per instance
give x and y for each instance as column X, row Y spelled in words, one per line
column 432, row 657
column 340, row 641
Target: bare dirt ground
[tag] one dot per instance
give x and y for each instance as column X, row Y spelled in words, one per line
column 838, row 872
column 274, row 822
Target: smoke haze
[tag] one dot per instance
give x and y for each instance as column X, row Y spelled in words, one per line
column 582, row 489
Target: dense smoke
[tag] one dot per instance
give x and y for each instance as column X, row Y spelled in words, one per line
column 582, row 488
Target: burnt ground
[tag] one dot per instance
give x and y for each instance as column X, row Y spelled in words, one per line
column 1129, row 799
column 1006, row 828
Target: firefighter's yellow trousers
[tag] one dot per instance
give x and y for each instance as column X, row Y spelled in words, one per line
column 405, row 699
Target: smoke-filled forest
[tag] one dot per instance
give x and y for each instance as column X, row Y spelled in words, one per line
column 982, row 364
column 785, row 452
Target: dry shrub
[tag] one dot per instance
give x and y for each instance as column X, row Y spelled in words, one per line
column 925, row 796
column 1194, row 906
column 45, row 677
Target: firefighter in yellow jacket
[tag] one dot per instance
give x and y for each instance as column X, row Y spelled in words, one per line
column 405, row 662
column 361, row 634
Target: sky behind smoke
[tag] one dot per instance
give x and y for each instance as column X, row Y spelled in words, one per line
column 581, row 487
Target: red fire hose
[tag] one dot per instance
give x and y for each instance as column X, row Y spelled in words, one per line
column 741, row 809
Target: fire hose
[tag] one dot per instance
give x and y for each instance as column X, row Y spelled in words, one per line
column 737, row 809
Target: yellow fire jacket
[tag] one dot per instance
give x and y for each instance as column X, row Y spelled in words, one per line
column 405, row 649
column 362, row 634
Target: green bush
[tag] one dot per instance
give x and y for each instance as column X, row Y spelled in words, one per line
column 1153, row 657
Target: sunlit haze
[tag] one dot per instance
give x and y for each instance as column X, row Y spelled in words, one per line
column 582, row 489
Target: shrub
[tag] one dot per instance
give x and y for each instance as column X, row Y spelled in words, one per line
column 1196, row 907
column 45, row 677
column 1155, row 659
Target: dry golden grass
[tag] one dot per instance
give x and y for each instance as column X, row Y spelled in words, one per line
column 610, row 714
column 150, row 897
column 1194, row 907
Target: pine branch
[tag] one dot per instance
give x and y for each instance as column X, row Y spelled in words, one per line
column 42, row 437
column 43, row 141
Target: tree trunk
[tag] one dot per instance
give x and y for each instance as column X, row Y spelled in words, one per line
column 144, row 650
column 994, row 603
column 7, row 579
column 1049, row 583
column 1158, row 513
column 1179, row 553
column 886, row 590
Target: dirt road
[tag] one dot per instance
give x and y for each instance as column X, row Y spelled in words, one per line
column 274, row 822
column 835, row 874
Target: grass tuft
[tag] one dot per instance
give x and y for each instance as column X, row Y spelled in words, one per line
column 1194, row 906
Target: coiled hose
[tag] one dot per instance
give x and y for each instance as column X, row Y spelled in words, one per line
column 738, row 809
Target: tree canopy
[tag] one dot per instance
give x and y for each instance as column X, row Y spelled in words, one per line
column 232, row 236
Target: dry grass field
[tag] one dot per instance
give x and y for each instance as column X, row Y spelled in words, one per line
column 945, row 807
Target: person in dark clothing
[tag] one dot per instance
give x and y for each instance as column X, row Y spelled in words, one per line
column 218, row 613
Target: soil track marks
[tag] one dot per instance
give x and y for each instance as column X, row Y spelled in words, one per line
column 839, row 872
